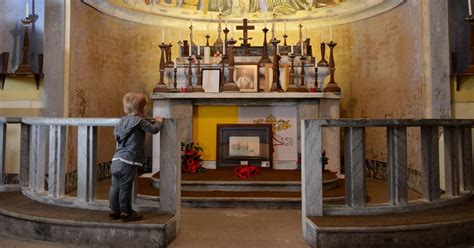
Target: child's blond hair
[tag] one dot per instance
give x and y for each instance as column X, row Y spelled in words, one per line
column 134, row 103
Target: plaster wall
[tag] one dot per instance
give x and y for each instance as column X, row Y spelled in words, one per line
column 387, row 82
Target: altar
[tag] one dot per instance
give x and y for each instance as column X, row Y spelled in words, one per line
column 308, row 105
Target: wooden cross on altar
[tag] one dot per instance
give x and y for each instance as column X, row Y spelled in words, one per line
column 245, row 28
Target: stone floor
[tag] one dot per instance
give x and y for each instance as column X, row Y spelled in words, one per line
column 207, row 227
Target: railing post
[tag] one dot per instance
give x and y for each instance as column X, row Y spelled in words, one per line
column 354, row 164
column 311, row 168
column 57, row 173
column 25, row 154
column 430, row 162
column 3, row 143
column 37, row 158
column 451, row 160
column 170, row 169
column 397, row 163
column 86, row 163
column 468, row 171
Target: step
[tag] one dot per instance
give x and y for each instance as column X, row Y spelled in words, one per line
column 21, row 216
column 449, row 226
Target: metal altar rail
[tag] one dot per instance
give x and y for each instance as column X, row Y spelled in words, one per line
column 458, row 163
column 43, row 149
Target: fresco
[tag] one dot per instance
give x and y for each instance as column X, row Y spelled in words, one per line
column 240, row 8
column 257, row 11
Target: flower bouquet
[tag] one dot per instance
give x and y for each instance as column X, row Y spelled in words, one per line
column 245, row 171
column 191, row 158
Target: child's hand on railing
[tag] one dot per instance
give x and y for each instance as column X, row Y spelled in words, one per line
column 158, row 119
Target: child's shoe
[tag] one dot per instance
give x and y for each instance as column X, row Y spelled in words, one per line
column 114, row 215
column 131, row 216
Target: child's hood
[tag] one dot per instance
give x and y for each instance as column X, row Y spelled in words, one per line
column 125, row 127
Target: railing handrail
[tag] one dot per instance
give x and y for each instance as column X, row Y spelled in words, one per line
column 392, row 122
column 70, row 121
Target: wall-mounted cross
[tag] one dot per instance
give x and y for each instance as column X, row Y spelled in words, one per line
column 245, row 28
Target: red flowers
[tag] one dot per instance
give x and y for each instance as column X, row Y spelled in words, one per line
column 191, row 158
column 245, row 171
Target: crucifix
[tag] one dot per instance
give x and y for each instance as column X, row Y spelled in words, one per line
column 245, row 29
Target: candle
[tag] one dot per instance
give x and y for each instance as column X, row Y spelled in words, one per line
column 330, row 33
column 162, row 35
column 469, row 4
column 223, row 48
column 265, row 19
column 190, row 49
column 175, row 65
column 292, row 51
column 27, row 8
column 278, row 50
column 169, row 34
column 199, row 50
column 302, row 49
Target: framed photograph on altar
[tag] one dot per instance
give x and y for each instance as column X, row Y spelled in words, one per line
column 244, row 142
column 246, row 77
column 211, row 79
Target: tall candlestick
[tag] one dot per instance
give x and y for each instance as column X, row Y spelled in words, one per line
column 162, row 35
column 469, row 4
column 330, row 33
column 27, row 10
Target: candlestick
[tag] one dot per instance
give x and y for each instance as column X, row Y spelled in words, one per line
column 265, row 59
column 161, row 86
column 291, row 84
column 190, row 75
column 330, row 33
column 230, row 85
column 332, row 85
column 198, row 87
column 302, row 87
column 469, row 4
